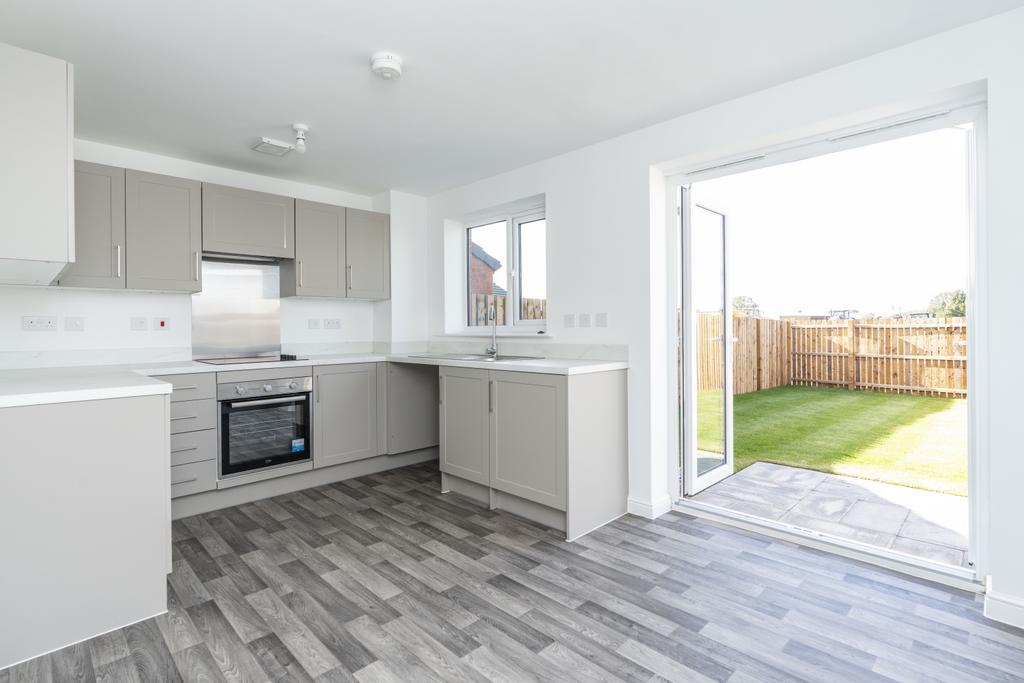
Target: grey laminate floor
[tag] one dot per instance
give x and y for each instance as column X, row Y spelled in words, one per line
column 383, row 579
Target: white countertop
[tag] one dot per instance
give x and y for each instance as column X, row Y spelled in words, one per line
column 34, row 386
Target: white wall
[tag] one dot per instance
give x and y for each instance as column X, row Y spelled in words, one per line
column 400, row 323
column 108, row 338
column 606, row 243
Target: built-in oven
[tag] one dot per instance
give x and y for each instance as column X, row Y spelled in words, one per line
column 264, row 423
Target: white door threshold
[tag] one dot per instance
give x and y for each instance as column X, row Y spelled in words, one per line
column 957, row 577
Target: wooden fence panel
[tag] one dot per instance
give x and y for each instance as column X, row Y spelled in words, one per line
column 533, row 309
column 919, row 356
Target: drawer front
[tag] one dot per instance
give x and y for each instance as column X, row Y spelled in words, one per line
column 194, row 477
column 191, row 387
column 193, row 447
column 192, row 416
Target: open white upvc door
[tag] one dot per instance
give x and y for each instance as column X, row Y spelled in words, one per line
column 706, row 347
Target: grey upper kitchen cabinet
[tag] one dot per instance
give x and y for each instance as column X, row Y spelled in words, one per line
column 247, row 223
column 319, row 265
column 528, row 436
column 368, row 254
column 99, row 228
column 464, row 431
column 344, row 413
column 163, row 216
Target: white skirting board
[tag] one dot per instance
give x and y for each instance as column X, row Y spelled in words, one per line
column 1004, row 608
column 238, row 495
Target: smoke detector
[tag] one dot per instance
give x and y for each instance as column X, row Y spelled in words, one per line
column 387, row 65
column 279, row 149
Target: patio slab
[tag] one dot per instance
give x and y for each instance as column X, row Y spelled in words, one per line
column 925, row 524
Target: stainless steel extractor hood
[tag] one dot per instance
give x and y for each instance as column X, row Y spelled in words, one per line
column 238, row 313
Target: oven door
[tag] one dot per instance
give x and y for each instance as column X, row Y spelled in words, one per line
column 264, row 432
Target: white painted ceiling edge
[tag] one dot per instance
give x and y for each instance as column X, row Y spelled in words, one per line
column 483, row 90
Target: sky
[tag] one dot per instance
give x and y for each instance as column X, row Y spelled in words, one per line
column 880, row 229
column 532, row 243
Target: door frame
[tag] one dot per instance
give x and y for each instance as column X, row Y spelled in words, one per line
column 967, row 112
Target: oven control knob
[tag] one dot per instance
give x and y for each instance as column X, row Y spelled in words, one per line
column 240, row 390
column 293, row 385
column 268, row 387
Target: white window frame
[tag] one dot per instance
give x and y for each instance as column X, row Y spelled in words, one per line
column 512, row 222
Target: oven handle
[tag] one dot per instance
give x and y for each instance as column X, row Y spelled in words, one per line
column 271, row 401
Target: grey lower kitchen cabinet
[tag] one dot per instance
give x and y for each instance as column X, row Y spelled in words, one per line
column 528, row 424
column 411, row 404
column 368, row 254
column 193, row 429
column 163, row 218
column 551, row 448
column 319, row 265
column 99, row 228
column 247, row 223
column 464, row 423
column 344, row 413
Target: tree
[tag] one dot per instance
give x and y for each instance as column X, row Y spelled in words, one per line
column 745, row 306
column 952, row 304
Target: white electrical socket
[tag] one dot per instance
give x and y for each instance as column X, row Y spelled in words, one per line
column 74, row 324
column 584, row 320
column 161, row 324
column 569, row 320
column 39, row 323
column 139, row 324
column 600, row 320
column 313, row 323
column 332, row 323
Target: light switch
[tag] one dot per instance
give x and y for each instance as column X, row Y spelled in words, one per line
column 74, row 324
column 139, row 324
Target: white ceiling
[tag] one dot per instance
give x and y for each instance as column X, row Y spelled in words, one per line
column 488, row 86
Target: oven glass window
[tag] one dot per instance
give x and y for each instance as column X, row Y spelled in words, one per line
column 264, row 435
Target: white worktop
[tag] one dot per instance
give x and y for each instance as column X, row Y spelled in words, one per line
column 34, row 386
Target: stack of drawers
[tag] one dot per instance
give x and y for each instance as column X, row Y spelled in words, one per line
column 193, row 433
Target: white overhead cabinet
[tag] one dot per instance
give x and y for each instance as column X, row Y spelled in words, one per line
column 246, row 223
column 339, row 252
column 36, row 176
column 551, row 448
column 99, row 228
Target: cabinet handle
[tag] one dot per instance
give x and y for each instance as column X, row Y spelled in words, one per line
column 117, row 258
column 317, row 389
column 196, row 256
column 490, row 396
column 183, row 417
column 440, row 391
column 185, row 481
column 300, row 272
column 184, row 450
column 348, row 277
column 186, row 388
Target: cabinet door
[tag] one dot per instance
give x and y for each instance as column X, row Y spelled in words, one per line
column 99, row 228
column 319, row 265
column 529, row 440
column 247, row 223
column 164, row 228
column 368, row 254
column 412, row 395
column 345, row 413
column 463, row 423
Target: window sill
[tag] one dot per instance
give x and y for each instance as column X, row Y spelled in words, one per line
column 523, row 334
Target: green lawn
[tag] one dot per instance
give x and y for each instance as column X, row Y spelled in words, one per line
column 910, row 440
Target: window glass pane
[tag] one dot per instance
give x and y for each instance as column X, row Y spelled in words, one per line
column 488, row 272
column 533, row 288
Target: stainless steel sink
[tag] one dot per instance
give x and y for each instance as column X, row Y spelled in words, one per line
column 479, row 357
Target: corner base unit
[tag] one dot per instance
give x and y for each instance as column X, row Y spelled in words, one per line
column 550, row 448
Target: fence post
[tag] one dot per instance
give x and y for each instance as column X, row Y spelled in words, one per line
column 757, row 353
column 851, row 362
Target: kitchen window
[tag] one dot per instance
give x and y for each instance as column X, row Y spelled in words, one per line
column 506, row 267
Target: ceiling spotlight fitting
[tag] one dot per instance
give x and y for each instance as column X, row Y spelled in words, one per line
column 387, row 65
column 300, row 137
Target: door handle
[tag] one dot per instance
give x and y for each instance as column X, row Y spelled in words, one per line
column 269, row 401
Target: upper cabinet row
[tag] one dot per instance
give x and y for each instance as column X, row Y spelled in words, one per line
column 140, row 230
